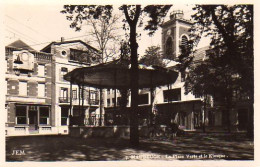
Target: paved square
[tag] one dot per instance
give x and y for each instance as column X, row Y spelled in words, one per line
column 188, row 147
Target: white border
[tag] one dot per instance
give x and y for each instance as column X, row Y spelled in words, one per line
column 189, row 163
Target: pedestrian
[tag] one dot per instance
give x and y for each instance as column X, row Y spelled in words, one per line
column 174, row 128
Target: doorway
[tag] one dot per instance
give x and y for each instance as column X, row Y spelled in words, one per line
column 33, row 120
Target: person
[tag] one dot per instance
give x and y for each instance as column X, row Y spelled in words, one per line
column 174, row 128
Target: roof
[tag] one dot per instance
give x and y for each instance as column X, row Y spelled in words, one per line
column 65, row 42
column 117, row 74
column 200, row 53
column 20, row 44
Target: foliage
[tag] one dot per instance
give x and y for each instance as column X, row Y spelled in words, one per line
column 230, row 59
column 105, row 35
column 102, row 27
column 228, row 64
column 152, row 57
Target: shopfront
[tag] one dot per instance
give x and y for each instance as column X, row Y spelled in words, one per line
column 32, row 116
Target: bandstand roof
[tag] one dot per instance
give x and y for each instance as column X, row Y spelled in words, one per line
column 117, row 74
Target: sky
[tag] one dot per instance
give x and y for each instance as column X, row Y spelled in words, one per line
column 39, row 24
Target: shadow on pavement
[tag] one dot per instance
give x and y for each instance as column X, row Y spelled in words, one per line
column 66, row 148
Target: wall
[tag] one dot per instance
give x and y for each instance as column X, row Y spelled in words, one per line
column 64, row 61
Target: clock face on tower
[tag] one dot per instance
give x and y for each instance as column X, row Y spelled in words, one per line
column 24, row 56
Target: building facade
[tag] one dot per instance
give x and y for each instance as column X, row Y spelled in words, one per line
column 83, row 101
column 38, row 99
column 29, row 90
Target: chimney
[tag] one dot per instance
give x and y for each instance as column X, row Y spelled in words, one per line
column 62, row 39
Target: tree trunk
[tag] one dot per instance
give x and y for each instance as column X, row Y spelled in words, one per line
column 152, row 92
column 134, row 134
column 203, row 115
column 100, row 107
column 229, row 104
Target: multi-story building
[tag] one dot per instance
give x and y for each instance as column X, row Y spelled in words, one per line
column 29, row 90
column 69, row 55
column 38, row 99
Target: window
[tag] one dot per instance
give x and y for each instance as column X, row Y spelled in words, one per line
column 64, row 115
column 64, row 92
column 184, row 40
column 86, row 94
column 168, row 47
column 113, row 101
column 63, row 53
column 44, row 115
column 172, row 95
column 74, row 94
column 41, row 70
column 119, row 100
column 23, row 88
column 41, row 90
column 108, row 102
column 79, row 55
column 93, row 97
column 108, row 91
column 63, row 72
column 20, row 114
column 143, row 99
column 63, row 95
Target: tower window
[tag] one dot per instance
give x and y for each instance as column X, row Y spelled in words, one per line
column 184, row 41
column 168, row 48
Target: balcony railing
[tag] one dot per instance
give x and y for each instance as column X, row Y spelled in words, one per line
column 67, row 100
column 64, row 100
column 93, row 102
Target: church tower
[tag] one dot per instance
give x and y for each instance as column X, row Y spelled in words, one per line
column 175, row 33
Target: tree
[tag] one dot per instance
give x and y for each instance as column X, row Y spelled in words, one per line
column 230, row 59
column 133, row 15
column 152, row 56
column 104, row 34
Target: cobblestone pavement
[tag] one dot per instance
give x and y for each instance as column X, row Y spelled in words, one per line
column 187, row 147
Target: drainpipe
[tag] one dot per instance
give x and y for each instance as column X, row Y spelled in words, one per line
column 70, row 114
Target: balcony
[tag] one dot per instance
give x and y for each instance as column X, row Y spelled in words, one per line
column 93, row 102
column 64, row 100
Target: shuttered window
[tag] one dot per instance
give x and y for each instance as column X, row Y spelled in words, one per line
column 23, row 88
column 41, row 70
column 41, row 90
